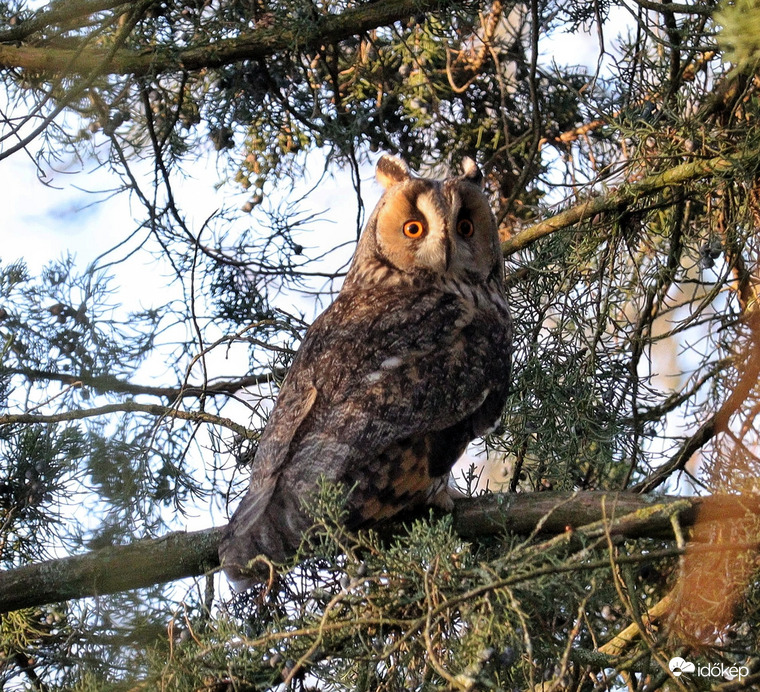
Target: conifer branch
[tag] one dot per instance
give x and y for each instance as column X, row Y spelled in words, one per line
column 179, row 555
column 617, row 199
column 259, row 43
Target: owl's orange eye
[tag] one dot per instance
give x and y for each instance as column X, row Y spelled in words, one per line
column 413, row 229
column 465, row 228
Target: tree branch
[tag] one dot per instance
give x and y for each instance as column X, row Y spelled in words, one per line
column 180, row 555
column 110, row 570
column 127, row 407
column 617, row 199
column 108, row 383
column 259, row 43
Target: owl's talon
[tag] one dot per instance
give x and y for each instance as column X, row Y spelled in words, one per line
column 444, row 498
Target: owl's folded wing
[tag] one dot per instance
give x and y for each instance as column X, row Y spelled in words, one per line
column 384, row 393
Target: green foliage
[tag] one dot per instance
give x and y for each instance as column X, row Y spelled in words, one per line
column 740, row 26
column 41, row 464
column 64, row 321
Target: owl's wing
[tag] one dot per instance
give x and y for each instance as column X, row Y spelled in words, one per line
column 242, row 541
column 383, row 385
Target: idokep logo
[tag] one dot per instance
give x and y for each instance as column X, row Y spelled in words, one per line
column 678, row 666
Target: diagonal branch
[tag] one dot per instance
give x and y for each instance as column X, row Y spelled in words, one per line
column 256, row 44
column 617, row 200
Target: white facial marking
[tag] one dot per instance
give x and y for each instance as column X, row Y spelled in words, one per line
column 431, row 251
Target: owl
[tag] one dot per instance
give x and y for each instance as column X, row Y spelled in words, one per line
column 408, row 365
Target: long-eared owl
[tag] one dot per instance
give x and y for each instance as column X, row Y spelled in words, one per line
column 391, row 382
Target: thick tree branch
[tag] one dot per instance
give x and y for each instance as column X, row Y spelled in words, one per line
column 617, row 200
column 259, row 43
column 179, row 555
column 110, row 570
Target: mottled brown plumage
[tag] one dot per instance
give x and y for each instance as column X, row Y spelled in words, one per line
column 405, row 368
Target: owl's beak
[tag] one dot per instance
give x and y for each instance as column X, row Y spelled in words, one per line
column 435, row 252
column 447, row 251
column 442, row 253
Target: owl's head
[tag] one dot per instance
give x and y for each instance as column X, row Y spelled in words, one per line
column 428, row 228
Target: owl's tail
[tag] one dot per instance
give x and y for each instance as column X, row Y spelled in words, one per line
column 261, row 531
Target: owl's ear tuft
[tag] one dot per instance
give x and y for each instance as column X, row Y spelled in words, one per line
column 471, row 171
column 391, row 171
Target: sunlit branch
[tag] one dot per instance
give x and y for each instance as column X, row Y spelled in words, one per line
column 470, row 62
column 617, row 199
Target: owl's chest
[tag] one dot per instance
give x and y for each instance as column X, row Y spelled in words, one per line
column 404, row 337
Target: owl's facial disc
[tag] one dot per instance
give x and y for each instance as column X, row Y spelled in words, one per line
column 429, row 227
column 410, row 228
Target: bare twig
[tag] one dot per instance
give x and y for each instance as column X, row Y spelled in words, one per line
column 127, row 407
column 108, row 383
